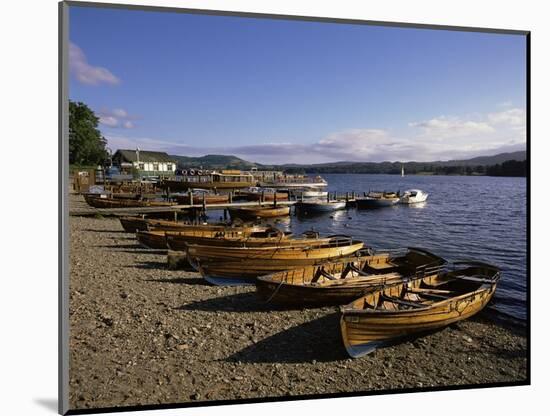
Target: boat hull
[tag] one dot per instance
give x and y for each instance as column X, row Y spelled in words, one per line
column 320, row 206
column 133, row 224
column 364, row 330
column 248, row 263
column 308, row 287
column 375, row 203
column 98, row 202
column 247, row 213
column 152, row 239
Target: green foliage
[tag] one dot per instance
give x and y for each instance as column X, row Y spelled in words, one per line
column 86, row 144
column 508, row 168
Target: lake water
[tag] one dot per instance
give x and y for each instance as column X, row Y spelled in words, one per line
column 465, row 217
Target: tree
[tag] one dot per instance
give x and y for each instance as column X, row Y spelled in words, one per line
column 86, row 144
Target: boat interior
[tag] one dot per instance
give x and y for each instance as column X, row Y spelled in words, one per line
column 426, row 292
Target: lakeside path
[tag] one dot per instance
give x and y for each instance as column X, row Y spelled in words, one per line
column 142, row 334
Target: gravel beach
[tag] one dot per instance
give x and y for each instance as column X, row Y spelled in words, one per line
column 141, row 334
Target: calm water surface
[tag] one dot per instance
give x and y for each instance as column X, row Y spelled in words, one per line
column 465, row 217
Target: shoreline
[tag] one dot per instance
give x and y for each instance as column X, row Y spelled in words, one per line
column 141, row 334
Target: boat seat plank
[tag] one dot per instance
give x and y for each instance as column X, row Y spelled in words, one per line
column 425, row 290
column 357, row 270
column 401, row 302
column 475, row 278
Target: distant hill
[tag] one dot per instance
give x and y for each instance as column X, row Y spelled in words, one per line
column 463, row 166
column 476, row 161
column 488, row 160
column 213, row 162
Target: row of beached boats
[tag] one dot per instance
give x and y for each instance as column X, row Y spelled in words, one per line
column 383, row 295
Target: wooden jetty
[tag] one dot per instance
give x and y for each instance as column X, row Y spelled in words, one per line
column 89, row 211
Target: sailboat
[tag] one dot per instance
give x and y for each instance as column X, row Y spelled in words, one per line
column 402, row 170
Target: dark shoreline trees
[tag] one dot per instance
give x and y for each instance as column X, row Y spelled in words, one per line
column 86, row 143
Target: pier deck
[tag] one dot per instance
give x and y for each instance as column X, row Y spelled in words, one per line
column 89, row 211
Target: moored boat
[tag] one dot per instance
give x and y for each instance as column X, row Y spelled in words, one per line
column 377, row 200
column 264, row 211
column 152, row 239
column 310, row 193
column 341, row 281
column 413, row 196
column 198, row 197
column 319, row 205
column 133, row 224
column 418, row 306
column 178, row 240
column 256, row 193
column 241, row 265
column 106, row 202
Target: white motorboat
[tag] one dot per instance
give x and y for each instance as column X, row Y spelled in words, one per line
column 307, row 193
column 413, row 196
column 320, row 205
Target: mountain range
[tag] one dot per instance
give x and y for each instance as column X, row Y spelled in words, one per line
column 234, row 162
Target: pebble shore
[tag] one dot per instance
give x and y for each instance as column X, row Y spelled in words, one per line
column 141, row 334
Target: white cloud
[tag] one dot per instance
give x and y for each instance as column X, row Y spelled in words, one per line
column 86, row 73
column 444, row 127
column 514, row 117
column 116, row 118
column 108, row 121
column 442, row 138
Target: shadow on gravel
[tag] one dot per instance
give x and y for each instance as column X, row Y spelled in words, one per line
column 185, row 281
column 141, row 250
column 240, row 302
column 148, row 265
column 136, row 246
column 317, row 340
column 106, row 231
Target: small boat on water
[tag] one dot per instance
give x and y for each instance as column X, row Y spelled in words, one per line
column 306, row 193
column 417, row 306
column 413, row 196
column 106, row 202
column 256, row 193
column 341, row 281
column 319, row 205
column 200, row 196
column 377, row 200
column 263, row 211
column 241, row 265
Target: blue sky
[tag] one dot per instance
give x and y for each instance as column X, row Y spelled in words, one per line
column 276, row 91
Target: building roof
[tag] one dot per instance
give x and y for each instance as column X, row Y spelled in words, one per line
column 144, row 156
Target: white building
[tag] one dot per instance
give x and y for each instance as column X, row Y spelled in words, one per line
column 145, row 162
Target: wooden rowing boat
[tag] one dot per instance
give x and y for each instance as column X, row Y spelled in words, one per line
column 341, row 281
column 200, row 198
column 241, row 265
column 133, row 224
column 377, row 200
column 319, row 205
column 204, row 234
column 417, row 306
column 99, row 202
column 231, row 237
column 264, row 211
column 261, row 194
